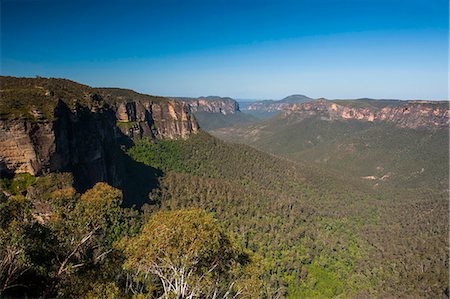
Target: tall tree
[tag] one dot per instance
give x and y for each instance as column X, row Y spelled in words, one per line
column 183, row 254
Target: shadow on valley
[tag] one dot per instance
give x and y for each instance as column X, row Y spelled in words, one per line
column 93, row 149
column 138, row 180
column 135, row 179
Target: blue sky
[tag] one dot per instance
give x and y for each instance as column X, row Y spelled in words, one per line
column 242, row 49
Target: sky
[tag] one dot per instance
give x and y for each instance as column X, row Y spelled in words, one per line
column 242, row 49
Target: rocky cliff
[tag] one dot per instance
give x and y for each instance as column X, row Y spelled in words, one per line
column 212, row 104
column 407, row 114
column 81, row 140
column 59, row 125
column 168, row 120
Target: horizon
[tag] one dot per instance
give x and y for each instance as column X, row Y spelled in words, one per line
column 239, row 100
column 357, row 49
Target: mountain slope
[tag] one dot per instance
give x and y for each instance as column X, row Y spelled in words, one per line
column 319, row 234
column 211, row 121
column 397, row 151
column 295, row 98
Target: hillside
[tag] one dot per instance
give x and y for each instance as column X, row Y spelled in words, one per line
column 282, row 210
column 211, row 121
column 390, row 149
column 260, row 114
column 295, row 98
column 252, row 224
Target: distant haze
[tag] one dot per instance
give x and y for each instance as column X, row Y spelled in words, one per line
column 242, row 49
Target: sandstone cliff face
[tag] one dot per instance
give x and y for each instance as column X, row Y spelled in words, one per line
column 82, row 129
column 162, row 120
column 211, row 104
column 25, row 146
column 80, row 140
column 411, row 114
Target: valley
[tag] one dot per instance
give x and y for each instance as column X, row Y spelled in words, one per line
column 325, row 199
column 275, row 149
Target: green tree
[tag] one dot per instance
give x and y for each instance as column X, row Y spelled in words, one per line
column 86, row 228
column 14, row 261
column 183, row 254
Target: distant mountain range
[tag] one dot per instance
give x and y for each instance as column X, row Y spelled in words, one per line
column 272, row 106
column 283, row 104
column 380, row 140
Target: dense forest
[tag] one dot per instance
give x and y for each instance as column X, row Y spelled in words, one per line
column 224, row 220
column 211, row 121
column 382, row 153
column 394, row 251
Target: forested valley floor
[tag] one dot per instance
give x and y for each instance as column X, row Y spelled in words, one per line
column 240, row 221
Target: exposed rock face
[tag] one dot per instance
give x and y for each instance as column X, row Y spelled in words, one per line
column 163, row 120
column 79, row 140
column 25, row 146
column 408, row 114
column 211, row 104
column 82, row 129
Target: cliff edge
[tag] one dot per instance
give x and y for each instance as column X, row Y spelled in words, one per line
column 51, row 125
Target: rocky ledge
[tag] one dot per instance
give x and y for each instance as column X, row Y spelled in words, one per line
column 407, row 114
column 211, row 104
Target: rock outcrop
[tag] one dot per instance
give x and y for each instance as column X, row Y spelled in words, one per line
column 51, row 125
column 81, row 140
column 211, row 104
column 163, row 120
column 25, row 146
column 407, row 114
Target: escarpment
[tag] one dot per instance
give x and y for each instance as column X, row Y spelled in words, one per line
column 406, row 114
column 80, row 140
column 51, row 125
column 163, row 120
column 211, row 104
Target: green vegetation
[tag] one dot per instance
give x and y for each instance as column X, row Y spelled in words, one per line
column 318, row 234
column 17, row 184
column 162, row 155
column 228, row 219
column 58, row 243
column 385, row 155
column 191, row 255
column 261, row 114
column 210, row 121
column 37, row 98
column 283, row 229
